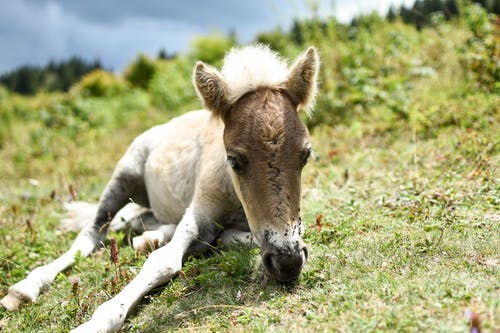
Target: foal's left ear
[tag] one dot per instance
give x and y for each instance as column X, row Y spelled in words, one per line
column 211, row 88
column 302, row 80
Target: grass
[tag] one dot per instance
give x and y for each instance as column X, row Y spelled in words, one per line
column 401, row 204
column 408, row 241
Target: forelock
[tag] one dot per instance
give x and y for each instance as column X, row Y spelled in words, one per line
column 251, row 67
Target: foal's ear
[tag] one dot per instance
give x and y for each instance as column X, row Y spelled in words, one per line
column 211, row 88
column 302, row 80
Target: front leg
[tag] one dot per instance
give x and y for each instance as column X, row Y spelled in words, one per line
column 235, row 236
column 160, row 267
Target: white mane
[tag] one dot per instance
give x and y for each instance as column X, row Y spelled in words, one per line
column 248, row 68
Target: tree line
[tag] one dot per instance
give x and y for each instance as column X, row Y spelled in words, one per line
column 55, row 76
column 420, row 14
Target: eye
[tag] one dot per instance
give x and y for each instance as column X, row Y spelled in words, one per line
column 236, row 161
column 233, row 162
column 306, row 154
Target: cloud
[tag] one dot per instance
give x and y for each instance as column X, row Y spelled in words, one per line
column 347, row 9
column 33, row 32
column 114, row 31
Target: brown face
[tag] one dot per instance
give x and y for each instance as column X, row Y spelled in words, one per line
column 267, row 146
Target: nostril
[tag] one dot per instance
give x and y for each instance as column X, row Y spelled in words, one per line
column 306, row 253
column 267, row 260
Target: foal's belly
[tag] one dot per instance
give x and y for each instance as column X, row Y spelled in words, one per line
column 170, row 170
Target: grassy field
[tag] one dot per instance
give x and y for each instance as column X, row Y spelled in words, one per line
column 401, row 202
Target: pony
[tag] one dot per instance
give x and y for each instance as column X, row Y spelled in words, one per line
column 230, row 172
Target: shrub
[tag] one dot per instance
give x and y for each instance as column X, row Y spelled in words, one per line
column 99, row 83
column 140, row 72
column 276, row 39
column 171, row 88
column 211, row 49
column 5, row 116
column 481, row 53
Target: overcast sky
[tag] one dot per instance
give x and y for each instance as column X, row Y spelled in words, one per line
column 114, row 31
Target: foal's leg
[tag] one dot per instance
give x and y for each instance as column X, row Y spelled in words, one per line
column 162, row 265
column 236, row 236
column 127, row 182
column 157, row 237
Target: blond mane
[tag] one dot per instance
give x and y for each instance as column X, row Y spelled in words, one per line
column 248, row 68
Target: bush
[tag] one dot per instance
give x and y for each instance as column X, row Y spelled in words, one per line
column 141, row 71
column 481, row 54
column 171, row 88
column 99, row 83
column 6, row 116
column 276, row 39
column 211, row 49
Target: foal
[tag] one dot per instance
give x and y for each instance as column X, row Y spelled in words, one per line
column 232, row 171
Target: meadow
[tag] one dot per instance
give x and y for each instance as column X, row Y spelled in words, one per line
column 401, row 200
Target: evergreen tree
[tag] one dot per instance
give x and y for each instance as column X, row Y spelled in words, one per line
column 495, row 7
column 451, row 8
column 297, row 33
column 391, row 14
column 164, row 55
column 54, row 76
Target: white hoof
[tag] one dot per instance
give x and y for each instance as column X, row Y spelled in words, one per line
column 107, row 318
column 90, row 327
column 149, row 240
column 14, row 300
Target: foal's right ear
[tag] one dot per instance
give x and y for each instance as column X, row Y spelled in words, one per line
column 211, row 88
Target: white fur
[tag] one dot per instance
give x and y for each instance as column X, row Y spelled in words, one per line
column 248, row 68
column 79, row 213
column 162, row 235
column 160, row 267
column 235, row 236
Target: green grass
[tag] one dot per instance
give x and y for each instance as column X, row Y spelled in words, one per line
column 409, row 241
column 404, row 184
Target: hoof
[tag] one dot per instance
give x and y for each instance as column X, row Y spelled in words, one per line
column 147, row 242
column 140, row 244
column 13, row 301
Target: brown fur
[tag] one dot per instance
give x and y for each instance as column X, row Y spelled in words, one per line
column 211, row 88
column 265, row 127
column 301, row 84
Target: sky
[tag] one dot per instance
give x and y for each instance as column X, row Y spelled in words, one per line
column 115, row 31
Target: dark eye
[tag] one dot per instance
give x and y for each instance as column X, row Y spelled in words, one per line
column 237, row 161
column 306, row 154
column 233, row 162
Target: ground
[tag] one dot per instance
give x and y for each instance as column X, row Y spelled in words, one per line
column 402, row 231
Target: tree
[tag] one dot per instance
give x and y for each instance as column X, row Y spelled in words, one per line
column 495, row 7
column 451, row 8
column 164, row 55
column 391, row 14
column 297, row 33
column 54, row 76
